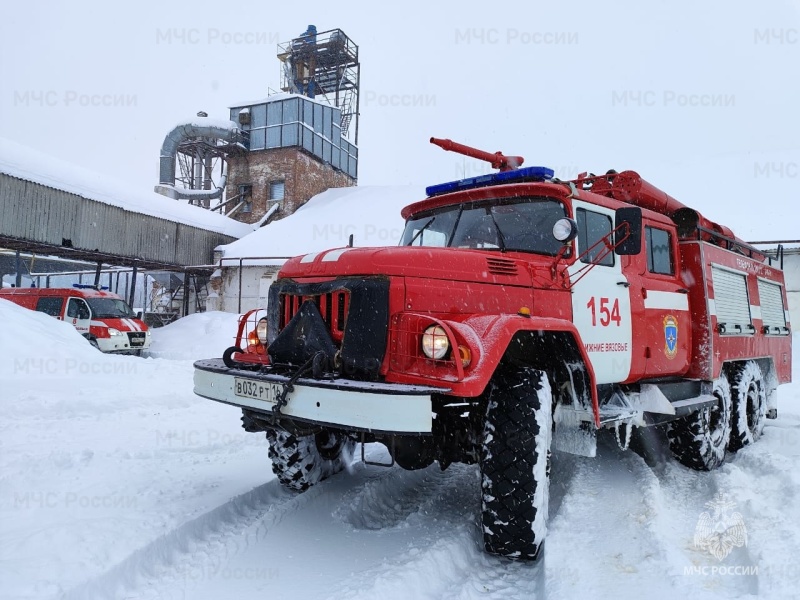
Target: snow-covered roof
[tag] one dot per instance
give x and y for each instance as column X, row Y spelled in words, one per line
column 25, row 163
column 206, row 122
column 281, row 96
column 370, row 213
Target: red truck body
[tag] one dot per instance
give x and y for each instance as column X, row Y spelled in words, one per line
column 516, row 306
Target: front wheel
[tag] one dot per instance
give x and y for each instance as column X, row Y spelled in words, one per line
column 303, row 461
column 515, row 463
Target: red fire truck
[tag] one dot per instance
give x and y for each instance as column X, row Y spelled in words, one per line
column 103, row 318
column 519, row 313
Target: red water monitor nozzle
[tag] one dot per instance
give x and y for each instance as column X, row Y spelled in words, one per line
column 498, row 160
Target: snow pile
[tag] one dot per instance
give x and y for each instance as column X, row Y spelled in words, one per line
column 202, row 335
column 370, row 213
column 102, row 455
column 31, row 165
column 39, row 337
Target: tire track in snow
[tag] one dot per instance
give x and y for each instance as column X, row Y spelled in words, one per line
column 443, row 547
column 388, row 501
column 195, row 547
column 200, row 549
column 601, row 543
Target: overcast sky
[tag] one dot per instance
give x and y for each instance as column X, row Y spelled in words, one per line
column 703, row 98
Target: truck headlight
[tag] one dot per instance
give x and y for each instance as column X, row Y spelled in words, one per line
column 262, row 329
column 435, row 343
column 113, row 332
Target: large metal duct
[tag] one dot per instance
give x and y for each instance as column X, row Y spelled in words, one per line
column 227, row 131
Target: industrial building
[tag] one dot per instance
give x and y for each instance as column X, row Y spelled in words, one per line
column 274, row 153
column 223, row 178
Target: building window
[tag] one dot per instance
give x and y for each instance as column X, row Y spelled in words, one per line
column 659, row 251
column 247, row 207
column 592, row 228
column 276, row 189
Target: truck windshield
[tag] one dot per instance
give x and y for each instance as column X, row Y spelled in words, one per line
column 110, row 308
column 521, row 224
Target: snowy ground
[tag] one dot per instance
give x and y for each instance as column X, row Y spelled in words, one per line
column 118, row 482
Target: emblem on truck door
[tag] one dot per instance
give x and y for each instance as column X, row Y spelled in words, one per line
column 670, row 336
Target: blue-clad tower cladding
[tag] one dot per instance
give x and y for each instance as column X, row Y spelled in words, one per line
column 304, row 139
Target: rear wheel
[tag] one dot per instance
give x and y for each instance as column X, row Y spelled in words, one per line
column 515, row 463
column 749, row 404
column 700, row 440
column 302, row 461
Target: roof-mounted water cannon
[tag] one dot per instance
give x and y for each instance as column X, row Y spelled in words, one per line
column 498, row 160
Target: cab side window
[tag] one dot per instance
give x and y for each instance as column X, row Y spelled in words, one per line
column 77, row 309
column 592, row 228
column 659, row 251
column 50, row 305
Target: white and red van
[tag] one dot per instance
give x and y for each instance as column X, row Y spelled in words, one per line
column 101, row 317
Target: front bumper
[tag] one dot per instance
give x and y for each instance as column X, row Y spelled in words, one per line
column 122, row 343
column 355, row 405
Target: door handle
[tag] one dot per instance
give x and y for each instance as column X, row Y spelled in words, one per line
column 624, row 283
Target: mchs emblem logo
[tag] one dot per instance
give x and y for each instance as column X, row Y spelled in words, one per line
column 670, row 336
column 722, row 529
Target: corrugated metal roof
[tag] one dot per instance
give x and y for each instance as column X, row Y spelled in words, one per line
column 38, row 218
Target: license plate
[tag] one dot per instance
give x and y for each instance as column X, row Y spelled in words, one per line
column 257, row 390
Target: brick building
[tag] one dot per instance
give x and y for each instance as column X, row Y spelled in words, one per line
column 296, row 151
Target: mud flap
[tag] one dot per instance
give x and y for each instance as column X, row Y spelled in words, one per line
column 573, row 434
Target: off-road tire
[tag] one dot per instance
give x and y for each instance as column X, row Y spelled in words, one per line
column 515, row 463
column 700, row 440
column 302, row 461
column 749, row 412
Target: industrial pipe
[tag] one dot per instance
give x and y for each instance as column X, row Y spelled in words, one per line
column 226, row 131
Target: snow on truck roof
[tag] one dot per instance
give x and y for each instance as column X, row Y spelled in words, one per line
column 25, row 163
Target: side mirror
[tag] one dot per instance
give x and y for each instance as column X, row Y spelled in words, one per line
column 139, row 315
column 628, row 231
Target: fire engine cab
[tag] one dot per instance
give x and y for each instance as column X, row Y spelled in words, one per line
column 103, row 318
column 519, row 313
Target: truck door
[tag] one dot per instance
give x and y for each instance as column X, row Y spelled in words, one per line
column 666, row 324
column 601, row 308
column 79, row 315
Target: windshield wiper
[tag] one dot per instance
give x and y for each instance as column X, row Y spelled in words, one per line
column 419, row 233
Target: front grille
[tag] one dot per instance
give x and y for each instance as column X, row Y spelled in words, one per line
column 355, row 312
column 136, row 338
column 333, row 306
